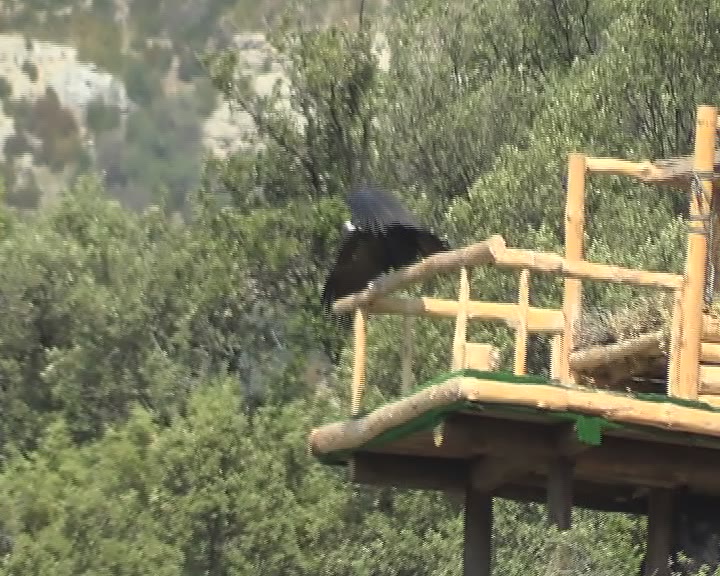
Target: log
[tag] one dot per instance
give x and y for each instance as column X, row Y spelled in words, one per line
column 618, row 408
column 555, row 356
column 476, row 254
column 595, row 356
column 546, row 320
column 552, row 263
column 697, row 250
column 481, row 356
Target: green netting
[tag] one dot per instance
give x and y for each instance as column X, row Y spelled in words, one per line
column 589, row 429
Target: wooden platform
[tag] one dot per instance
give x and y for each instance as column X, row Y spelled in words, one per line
column 507, row 435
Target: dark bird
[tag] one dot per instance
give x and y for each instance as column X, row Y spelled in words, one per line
column 382, row 235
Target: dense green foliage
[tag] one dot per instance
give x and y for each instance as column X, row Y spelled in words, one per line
column 158, row 375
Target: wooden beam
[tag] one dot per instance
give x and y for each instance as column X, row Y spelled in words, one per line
column 418, row 472
column 478, row 520
column 596, row 356
column 476, row 254
column 551, row 263
column 694, row 286
column 613, row 407
column 539, row 319
column 567, row 443
column 659, row 533
column 521, row 332
column 359, row 358
column 560, row 492
column 490, row 472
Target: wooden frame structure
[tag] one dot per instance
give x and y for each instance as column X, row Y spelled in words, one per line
column 469, row 453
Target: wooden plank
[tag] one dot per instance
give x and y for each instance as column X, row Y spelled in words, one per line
column 476, row 254
column 521, row 332
column 478, row 520
column 576, row 270
column 539, row 319
column 655, row 415
column 359, row 358
column 693, row 290
column 659, row 532
column 560, row 492
column 712, row 399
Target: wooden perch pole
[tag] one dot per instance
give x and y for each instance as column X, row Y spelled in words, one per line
column 458, row 353
column 581, row 269
column 480, row 253
column 521, row 333
column 574, row 230
column 359, row 359
column 547, row 320
column 692, row 305
column 673, row 375
column 407, row 379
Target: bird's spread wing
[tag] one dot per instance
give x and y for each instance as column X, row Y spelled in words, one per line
column 375, row 209
column 359, row 260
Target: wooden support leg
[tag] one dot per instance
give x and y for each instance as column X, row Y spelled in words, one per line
column 477, row 556
column 659, row 532
column 560, row 492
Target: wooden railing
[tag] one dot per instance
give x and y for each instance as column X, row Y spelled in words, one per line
column 687, row 315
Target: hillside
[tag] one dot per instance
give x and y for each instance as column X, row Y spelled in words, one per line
column 117, row 88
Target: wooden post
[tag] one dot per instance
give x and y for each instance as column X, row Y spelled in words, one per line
column 407, row 378
column 458, row 353
column 477, row 553
column 359, row 359
column 560, row 492
column 556, row 356
column 459, row 340
column 659, row 532
column 673, row 376
column 697, row 250
column 574, row 230
column 521, row 332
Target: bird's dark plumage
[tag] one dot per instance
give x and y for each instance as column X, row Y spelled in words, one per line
column 383, row 236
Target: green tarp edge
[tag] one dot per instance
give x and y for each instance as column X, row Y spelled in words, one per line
column 588, row 428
